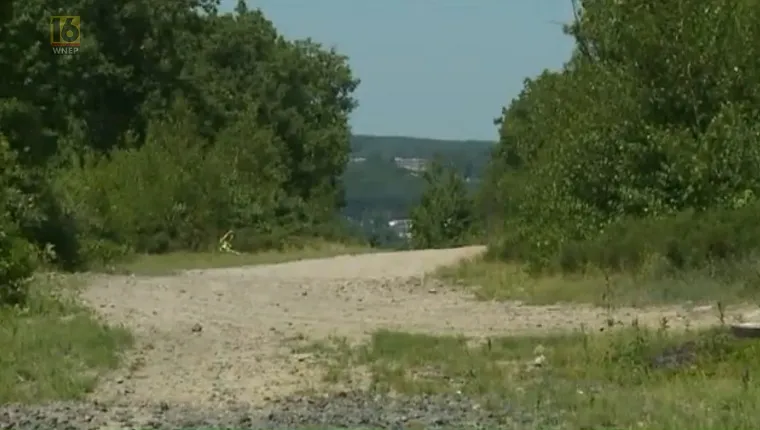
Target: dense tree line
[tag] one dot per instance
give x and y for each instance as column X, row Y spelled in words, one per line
column 173, row 124
column 645, row 146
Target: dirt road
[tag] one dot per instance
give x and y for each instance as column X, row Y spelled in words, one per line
column 213, row 346
column 216, row 336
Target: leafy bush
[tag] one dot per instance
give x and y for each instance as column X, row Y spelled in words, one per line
column 181, row 192
column 17, row 256
column 686, row 240
column 445, row 216
column 17, row 264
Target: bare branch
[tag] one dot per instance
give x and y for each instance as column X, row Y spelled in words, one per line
column 582, row 43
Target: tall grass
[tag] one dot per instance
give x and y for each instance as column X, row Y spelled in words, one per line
column 54, row 348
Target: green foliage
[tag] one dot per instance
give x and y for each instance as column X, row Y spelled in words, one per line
column 379, row 189
column 17, row 259
column 17, row 264
column 625, row 378
column 445, row 216
column 143, row 198
column 54, row 348
column 687, row 240
column 169, row 128
column 649, row 128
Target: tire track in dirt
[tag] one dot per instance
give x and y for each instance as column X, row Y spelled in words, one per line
column 212, row 337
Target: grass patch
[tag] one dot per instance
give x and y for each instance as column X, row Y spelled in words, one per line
column 334, row 353
column 54, row 349
column 495, row 280
column 628, row 378
column 165, row 264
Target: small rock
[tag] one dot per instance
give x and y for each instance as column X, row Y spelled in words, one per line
column 302, row 357
column 539, row 361
column 197, row 328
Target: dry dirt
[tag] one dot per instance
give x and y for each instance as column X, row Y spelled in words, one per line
column 214, row 337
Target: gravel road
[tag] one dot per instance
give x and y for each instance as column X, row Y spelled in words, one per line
column 212, row 348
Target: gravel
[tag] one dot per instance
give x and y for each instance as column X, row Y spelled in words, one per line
column 356, row 410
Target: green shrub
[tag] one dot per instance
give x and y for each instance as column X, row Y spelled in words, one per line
column 17, row 255
column 688, row 240
column 149, row 199
column 17, row 264
column 445, row 215
column 181, row 192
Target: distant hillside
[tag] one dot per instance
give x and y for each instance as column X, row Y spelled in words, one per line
column 383, row 178
column 469, row 156
column 379, row 188
column 399, row 146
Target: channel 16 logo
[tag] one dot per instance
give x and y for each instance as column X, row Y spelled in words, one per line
column 65, row 34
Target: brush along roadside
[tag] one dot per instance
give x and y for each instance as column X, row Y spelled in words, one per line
column 623, row 378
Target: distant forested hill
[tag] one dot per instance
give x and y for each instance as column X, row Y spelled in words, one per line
column 376, row 186
column 470, row 156
column 379, row 188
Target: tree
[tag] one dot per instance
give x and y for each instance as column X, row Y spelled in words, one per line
column 653, row 116
column 172, row 125
column 445, row 214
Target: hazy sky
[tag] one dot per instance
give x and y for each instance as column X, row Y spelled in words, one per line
column 431, row 68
